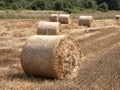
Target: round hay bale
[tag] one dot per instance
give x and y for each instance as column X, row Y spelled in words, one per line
column 51, row 56
column 117, row 17
column 86, row 21
column 54, row 17
column 48, row 28
column 65, row 19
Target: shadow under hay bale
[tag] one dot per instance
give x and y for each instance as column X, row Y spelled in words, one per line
column 85, row 21
column 51, row 57
column 48, row 28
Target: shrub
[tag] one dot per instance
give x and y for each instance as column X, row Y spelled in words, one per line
column 90, row 4
column 103, row 7
column 58, row 5
column 38, row 5
column 68, row 10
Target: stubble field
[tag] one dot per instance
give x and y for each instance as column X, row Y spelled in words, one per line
column 99, row 68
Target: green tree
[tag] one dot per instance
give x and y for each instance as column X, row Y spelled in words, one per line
column 103, row 7
column 112, row 4
column 90, row 4
column 38, row 5
column 58, row 5
column 66, row 5
column 2, row 4
column 20, row 4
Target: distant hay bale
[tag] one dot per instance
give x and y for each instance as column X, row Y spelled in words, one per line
column 51, row 56
column 54, row 17
column 65, row 19
column 48, row 28
column 117, row 17
column 86, row 21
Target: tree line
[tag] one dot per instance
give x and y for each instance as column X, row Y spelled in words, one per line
column 64, row 5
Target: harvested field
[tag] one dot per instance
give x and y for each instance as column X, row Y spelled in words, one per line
column 99, row 68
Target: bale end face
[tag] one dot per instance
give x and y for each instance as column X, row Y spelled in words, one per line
column 51, row 57
column 67, row 58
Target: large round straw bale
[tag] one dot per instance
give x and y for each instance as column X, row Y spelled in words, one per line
column 117, row 17
column 65, row 19
column 54, row 17
column 86, row 21
column 48, row 28
column 51, row 56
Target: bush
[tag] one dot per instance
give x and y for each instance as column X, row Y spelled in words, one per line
column 38, row 5
column 2, row 5
column 66, row 5
column 90, row 4
column 103, row 7
column 67, row 10
column 58, row 5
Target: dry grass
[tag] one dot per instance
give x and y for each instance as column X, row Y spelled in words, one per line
column 29, row 14
column 99, row 67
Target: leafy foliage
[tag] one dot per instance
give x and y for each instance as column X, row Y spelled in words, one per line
column 66, row 5
column 103, row 7
column 90, row 4
column 112, row 4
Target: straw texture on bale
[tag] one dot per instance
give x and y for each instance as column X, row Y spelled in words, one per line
column 65, row 19
column 48, row 28
column 86, row 21
column 117, row 17
column 51, row 56
column 54, row 17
